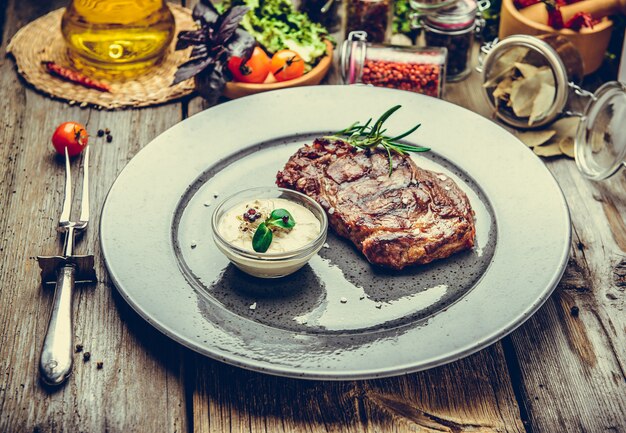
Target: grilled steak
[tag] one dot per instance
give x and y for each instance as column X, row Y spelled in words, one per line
column 413, row 216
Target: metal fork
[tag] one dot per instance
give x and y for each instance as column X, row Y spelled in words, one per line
column 56, row 355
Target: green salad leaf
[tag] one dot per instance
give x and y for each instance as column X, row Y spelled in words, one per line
column 276, row 25
column 279, row 218
column 402, row 17
column 262, row 238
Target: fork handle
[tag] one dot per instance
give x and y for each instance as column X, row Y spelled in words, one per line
column 56, row 355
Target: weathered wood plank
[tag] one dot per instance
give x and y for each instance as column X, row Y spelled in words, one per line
column 472, row 395
column 572, row 353
column 140, row 387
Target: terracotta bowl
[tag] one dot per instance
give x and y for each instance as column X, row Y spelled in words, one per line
column 235, row 90
column 591, row 43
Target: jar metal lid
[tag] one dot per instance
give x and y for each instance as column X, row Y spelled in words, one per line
column 429, row 5
column 600, row 144
column 549, row 56
column 459, row 15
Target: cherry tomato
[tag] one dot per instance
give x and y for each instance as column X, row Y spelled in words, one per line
column 71, row 135
column 287, row 65
column 254, row 70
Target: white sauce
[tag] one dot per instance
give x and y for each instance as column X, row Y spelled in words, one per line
column 238, row 232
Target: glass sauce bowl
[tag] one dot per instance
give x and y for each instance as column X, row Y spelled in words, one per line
column 269, row 265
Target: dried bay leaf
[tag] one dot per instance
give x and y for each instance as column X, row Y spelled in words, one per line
column 552, row 149
column 499, row 76
column 523, row 93
column 545, row 75
column 566, row 144
column 598, row 146
column 503, row 89
column 535, row 138
column 507, row 59
column 542, row 102
column 527, row 71
column 566, row 127
column 505, row 65
column 525, row 90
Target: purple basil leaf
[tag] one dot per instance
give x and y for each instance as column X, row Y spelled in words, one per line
column 205, row 12
column 227, row 24
column 241, row 45
column 211, row 82
column 191, row 68
column 187, row 38
column 199, row 51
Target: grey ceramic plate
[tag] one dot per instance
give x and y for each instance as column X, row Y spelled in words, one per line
column 392, row 322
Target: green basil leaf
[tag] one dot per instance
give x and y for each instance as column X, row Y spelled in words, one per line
column 281, row 218
column 262, row 238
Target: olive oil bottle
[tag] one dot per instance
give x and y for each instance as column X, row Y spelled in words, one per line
column 117, row 37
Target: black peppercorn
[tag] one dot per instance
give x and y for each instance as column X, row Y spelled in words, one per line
column 453, row 27
column 371, row 16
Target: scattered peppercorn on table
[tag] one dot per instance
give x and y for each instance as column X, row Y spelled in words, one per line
column 562, row 371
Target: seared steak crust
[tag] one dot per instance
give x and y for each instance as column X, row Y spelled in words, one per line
column 413, row 216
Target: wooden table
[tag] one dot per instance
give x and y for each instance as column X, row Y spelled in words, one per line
column 562, row 371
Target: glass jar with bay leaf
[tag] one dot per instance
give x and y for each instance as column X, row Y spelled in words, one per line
column 528, row 81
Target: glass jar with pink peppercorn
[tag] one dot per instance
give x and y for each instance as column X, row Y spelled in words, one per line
column 420, row 70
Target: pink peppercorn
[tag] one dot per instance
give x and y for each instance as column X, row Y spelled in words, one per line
column 421, row 78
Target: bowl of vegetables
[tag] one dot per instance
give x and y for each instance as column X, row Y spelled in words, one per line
column 285, row 68
column 293, row 50
column 240, row 47
column 589, row 32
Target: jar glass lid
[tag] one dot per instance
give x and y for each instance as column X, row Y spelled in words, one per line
column 458, row 15
column 601, row 135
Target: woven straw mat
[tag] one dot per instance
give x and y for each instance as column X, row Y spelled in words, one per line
column 41, row 40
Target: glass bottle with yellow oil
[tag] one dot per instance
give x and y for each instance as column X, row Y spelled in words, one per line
column 117, row 37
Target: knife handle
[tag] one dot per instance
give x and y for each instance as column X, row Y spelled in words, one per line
column 56, row 354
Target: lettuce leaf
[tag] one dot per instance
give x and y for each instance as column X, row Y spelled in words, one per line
column 276, row 25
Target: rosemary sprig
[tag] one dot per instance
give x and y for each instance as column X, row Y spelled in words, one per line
column 368, row 137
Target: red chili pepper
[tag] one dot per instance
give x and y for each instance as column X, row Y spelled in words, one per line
column 555, row 19
column 76, row 77
column 521, row 4
column 580, row 20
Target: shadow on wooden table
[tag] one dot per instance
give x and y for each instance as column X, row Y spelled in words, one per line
column 465, row 395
